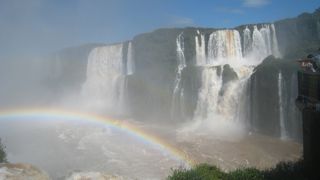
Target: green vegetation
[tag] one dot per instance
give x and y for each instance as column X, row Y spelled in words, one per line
column 3, row 156
column 287, row 170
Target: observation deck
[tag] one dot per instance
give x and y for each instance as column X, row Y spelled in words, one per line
column 308, row 101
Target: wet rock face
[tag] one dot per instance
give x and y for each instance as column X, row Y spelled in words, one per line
column 296, row 34
column 20, row 171
column 265, row 114
column 93, row 176
column 151, row 89
column 10, row 171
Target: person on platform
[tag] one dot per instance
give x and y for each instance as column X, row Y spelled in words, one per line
column 315, row 60
column 311, row 63
column 307, row 65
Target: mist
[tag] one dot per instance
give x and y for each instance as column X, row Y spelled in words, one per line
column 104, row 89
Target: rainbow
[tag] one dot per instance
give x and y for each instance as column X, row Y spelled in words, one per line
column 110, row 122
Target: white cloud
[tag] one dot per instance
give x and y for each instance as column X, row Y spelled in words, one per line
column 255, row 3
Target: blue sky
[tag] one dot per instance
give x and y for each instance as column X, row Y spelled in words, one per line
column 28, row 26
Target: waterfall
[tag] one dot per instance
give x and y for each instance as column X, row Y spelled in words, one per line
column 224, row 46
column 266, row 35
column 226, row 100
column 283, row 132
column 262, row 43
column 231, row 100
column 218, row 98
column 208, row 96
column 130, row 60
column 259, row 47
column 247, row 41
column 200, row 49
column 177, row 91
column 275, row 47
column 104, row 88
column 318, row 29
column 294, row 115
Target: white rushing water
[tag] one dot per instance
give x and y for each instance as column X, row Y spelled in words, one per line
column 318, row 28
column 224, row 46
column 266, row 35
column 63, row 147
column 105, row 84
column 283, row 133
column 262, row 43
column 275, row 47
column 247, row 41
column 130, row 60
column 208, row 97
column 177, row 100
column 259, row 44
column 216, row 97
column 219, row 100
column 200, row 49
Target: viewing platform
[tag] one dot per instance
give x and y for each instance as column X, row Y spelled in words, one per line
column 308, row 91
column 308, row 101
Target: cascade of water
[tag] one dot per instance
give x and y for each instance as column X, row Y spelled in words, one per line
column 235, row 43
column 259, row 48
column 182, row 103
column 105, row 84
column 244, row 108
column 283, row 133
column 224, row 46
column 200, row 49
column 247, row 41
column 294, row 114
column 215, row 47
column 318, row 29
column 275, row 47
column 215, row 97
column 237, row 98
column 262, row 44
column 181, row 61
column 266, row 35
column 130, row 60
column 208, row 97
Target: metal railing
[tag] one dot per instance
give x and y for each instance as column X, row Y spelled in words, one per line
column 308, row 90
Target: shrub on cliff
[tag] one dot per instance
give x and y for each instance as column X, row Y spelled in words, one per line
column 283, row 170
column 3, row 156
column 209, row 172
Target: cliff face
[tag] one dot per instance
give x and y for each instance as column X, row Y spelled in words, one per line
column 300, row 34
column 150, row 87
column 297, row 37
column 21, row 171
column 180, row 74
column 273, row 89
column 67, row 68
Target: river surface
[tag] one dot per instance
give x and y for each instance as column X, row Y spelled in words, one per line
column 63, row 148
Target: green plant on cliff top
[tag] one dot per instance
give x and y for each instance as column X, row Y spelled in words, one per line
column 3, row 156
column 283, row 170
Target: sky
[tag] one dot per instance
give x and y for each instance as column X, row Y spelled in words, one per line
column 34, row 26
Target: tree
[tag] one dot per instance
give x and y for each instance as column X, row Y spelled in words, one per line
column 3, row 156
